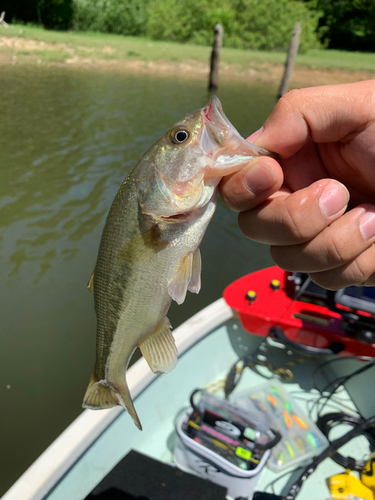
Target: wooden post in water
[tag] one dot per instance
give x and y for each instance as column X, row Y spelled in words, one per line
column 289, row 63
column 215, row 58
column 2, row 22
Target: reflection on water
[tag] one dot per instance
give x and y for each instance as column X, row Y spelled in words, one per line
column 68, row 139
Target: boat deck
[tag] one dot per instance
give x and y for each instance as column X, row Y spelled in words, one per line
column 164, row 400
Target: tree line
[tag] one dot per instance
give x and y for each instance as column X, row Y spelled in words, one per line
column 248, row 24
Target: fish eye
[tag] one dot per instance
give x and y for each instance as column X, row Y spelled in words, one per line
column 180, row 135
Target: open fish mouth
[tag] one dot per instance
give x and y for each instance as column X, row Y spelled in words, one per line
column 223, row 133
column 213, row 114
column 228, row 150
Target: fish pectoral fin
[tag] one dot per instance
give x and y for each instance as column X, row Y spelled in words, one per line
column 90, row 284
column 178, row 287
column 159, row 349
column 188, row 277
column 196, row 267
column 98, row 396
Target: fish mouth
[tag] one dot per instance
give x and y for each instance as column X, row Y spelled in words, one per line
column 217, row 128
column 223, row 133
column 213, row 114
column 225, row 146
column 177, row 217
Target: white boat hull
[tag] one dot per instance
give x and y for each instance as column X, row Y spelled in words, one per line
column 50, row 467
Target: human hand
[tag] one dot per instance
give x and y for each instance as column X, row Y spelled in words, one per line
column 325, row 139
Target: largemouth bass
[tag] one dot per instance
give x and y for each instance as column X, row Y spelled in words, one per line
column 149, row 250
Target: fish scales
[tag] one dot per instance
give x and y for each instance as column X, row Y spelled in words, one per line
column 110, row 277
column 149, row 250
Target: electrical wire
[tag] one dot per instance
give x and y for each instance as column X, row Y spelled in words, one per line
column 335, row 404
column 335, row 360
column 340, row 381
column 337, row 382
column 328, row 452
column 330, row 420
column 361, row 426
column 236, row 371
column 272, row 483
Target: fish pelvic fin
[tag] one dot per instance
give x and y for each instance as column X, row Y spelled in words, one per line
column 100, row 395
column 159, row 349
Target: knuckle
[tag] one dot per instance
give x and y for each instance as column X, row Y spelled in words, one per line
column 234, row 195
column 295, row 231
column 230, row 201
column 360, row 271
column 281, row 256
column 244, row 225
column 335, row 252
column 289, row 97
column 321, row 279
column 231, row 197
column 277, row 256
column 370, row 281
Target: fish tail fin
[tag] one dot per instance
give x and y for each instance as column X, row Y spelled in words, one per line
column 99, row 396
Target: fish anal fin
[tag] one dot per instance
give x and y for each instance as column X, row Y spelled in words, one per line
column 90, row 284
column 98, row 395
column 159, row 349
column 177, row 288
column 196, row 267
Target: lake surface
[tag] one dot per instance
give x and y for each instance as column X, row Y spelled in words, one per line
column 68, row 138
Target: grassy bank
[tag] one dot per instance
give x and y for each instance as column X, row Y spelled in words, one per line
column 57, row 46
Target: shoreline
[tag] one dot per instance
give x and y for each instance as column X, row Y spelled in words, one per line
column 26, row 51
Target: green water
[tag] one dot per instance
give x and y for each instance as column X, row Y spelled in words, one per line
column 68, row 138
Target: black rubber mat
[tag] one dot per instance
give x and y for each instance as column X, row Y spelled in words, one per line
column 138, row 477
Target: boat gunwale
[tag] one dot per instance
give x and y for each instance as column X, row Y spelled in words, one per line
column 40, row 478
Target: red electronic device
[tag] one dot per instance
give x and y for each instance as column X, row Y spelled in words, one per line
column 293, row 310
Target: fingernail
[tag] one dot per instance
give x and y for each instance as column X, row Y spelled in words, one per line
column 367, row 224
column 259, row 178
column 255, row 135
column 334, row 198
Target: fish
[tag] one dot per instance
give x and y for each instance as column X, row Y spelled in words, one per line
column 149, row 250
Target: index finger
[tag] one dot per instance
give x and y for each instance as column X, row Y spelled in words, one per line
column 326, row 114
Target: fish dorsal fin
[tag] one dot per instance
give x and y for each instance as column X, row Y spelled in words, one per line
column 196, row 267
column 159, row 349
column 178, row 287
column 90, row 284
